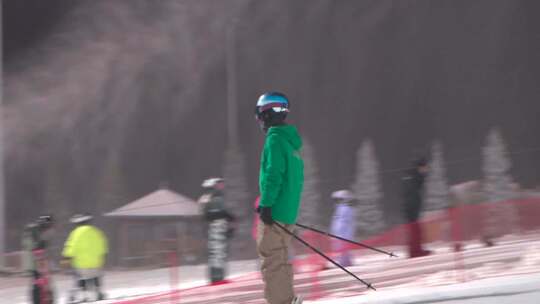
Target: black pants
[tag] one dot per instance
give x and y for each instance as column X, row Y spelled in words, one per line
column 41, row 294
column 415, row 239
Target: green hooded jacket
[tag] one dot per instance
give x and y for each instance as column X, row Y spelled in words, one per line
column 281, row 176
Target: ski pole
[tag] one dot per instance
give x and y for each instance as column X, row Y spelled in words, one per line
column 368, row 285
column 346, row 240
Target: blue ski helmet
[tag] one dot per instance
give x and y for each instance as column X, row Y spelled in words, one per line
column 274, row 102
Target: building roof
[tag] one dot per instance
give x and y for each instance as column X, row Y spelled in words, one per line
column 160, row 203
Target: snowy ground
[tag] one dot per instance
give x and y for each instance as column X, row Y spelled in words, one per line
column 524, row 289
column 506, row 273
column 122, row 284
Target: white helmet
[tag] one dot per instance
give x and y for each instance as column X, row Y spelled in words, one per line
column 342, row 195
column 80, row 218
column 212, row 182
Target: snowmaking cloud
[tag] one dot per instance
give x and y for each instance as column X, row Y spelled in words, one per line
column 91, row 74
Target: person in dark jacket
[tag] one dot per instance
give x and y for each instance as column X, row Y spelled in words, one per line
column 36, row 237
column 413, row 186
column 220, row 228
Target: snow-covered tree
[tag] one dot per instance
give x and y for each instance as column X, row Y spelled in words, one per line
column 367, row 189
column 436, row 182
column 236, row 193
column 311, row 198
column 498, row 186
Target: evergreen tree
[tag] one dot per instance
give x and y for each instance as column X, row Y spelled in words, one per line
column 436, row 182
column 367, row 189
column 311, row 197
column 498, row 186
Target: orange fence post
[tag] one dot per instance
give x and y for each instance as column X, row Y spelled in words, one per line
column 457, row 237
column 175, row 289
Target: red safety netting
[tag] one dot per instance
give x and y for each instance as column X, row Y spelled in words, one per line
column 468, row 241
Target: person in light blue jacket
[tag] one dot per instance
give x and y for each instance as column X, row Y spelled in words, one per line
column 343, row 224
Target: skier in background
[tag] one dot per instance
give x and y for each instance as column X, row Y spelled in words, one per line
column 281, row 181
column 220, row 228
column 85, row 250
column 35, row 239
column 343, row 224
column 413, row 187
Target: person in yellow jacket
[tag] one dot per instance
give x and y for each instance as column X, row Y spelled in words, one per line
column 86, row 249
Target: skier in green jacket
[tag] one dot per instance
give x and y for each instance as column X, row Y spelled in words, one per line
column 281, row 180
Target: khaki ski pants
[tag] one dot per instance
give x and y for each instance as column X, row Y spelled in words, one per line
column 277, row 272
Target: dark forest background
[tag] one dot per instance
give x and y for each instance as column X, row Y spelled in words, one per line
column 105, row 100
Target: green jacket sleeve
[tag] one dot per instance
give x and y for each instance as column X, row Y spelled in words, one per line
column 273, row 171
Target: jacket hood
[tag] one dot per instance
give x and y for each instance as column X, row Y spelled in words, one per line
column 288, row 132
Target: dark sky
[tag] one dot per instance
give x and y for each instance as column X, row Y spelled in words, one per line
column 142, row 85
column 27, row 22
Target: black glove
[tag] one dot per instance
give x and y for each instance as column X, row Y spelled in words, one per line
column 265, row 213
